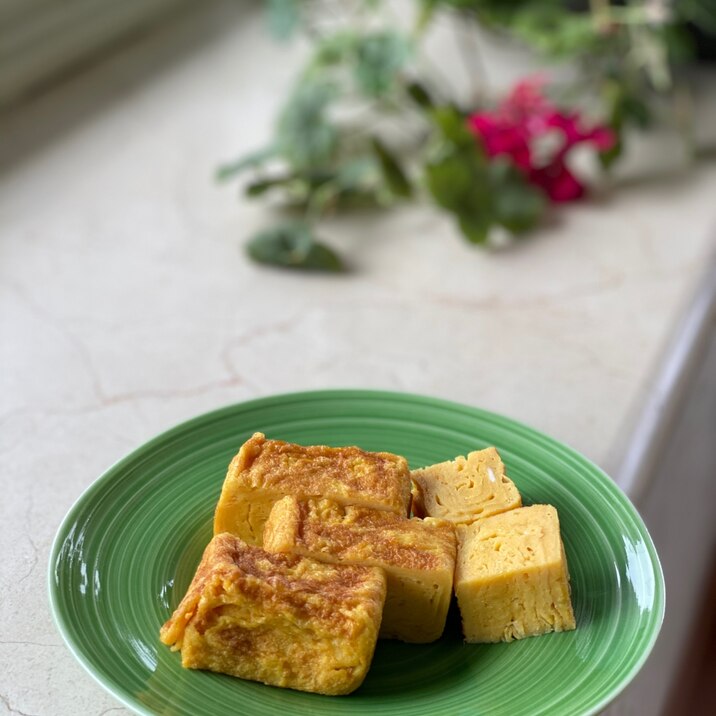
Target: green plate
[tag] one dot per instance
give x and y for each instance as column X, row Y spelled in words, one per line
column 127, row 550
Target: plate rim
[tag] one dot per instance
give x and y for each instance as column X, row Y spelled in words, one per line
column 335, row 393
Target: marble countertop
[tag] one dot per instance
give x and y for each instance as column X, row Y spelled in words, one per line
column 126, row 304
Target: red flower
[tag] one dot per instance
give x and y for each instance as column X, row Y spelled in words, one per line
column 526, row 115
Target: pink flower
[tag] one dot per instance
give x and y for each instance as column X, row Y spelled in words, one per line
column 502, row 137
column 570, row 125
column 526, row 104
column 526, row 115
column 557, row 182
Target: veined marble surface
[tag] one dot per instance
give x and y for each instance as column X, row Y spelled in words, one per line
column 126, row 304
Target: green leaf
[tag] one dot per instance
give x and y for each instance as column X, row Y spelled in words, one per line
column 393, row 173
column 608, row 157
column 518, row 205
column 479, row 192
column 459, row 182
column 475, row 229
column 355, row 183
column 634, row 110
column 420, row 95
column 333, row 49
column 425, row 14
column 556, row 32
column 261, row 186
column 305, row 136
column 282, row 17
column 625, row 108
column 357, row 173
column 449, row 180
column 680, row 43
column 699, row 12
column 293, row 245
column 453, row 126
column 252, row 159
column 322, row 198
column 379, row 57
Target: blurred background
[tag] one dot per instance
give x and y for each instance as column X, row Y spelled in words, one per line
column 510, row 205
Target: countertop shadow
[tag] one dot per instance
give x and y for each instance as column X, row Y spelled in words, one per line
column 31, row 126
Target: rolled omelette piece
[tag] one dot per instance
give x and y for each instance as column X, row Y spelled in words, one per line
column 418, row 557
column 278, row 619
column 264, row 471
column 511, row 576
column 464, row 489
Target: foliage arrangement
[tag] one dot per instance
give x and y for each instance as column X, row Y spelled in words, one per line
column 370, row 123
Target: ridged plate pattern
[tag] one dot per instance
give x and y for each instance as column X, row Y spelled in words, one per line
column 129, row 546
